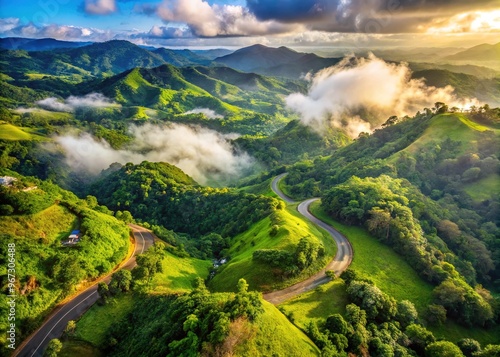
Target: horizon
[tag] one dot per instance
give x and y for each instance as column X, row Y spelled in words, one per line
column 239, row 23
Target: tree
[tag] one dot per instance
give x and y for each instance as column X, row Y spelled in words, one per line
column 150, row 263
column 103, row 291
column 70, row 328
column 443, row 349
column 419, row 337
column 407, row 313
column 53, row 348
column 120, row 281
column 435, row 315
column 469, row 347
column 336, row 324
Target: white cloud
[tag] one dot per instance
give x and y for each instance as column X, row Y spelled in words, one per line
column 8, row 24
column 202, row 153
column 95, row 100
column 360, row 94
column 207, row 20
column 100, row 7
column 209, row 113
column 13, row 27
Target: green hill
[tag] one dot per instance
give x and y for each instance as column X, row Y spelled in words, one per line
column 292, row 143
column 465, row 85
column 161, row 194
column 37, row 216
column 282, row 231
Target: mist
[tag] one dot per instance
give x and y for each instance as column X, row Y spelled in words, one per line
column 94, row 100
column 209, row 113
column 204, row 154
column 359, row 94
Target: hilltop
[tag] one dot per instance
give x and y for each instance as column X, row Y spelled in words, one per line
column 484, row 52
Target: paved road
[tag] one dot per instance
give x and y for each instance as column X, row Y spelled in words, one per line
column 340, row 262
column 54, row 325
column 276, row 189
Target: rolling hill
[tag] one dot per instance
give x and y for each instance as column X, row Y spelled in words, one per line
column 465, row 85
column 43, row 44
column 484, row 52
column 281, row 62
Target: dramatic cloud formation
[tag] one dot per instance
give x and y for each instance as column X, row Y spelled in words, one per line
column 207, row 20
column 360, row 94
column 477, row 21
column 376, row 16
column 100, row 7
column 201, row 153
column 209, row 113
column 95, row 100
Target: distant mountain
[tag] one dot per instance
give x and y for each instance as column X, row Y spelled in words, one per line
column 484, row 52
column 214, row 53
column 258, row 56
column 282, row 61
column 181, row 58
column 466, row 85
column 111, row 57
column 44, row 44
column 478, row 71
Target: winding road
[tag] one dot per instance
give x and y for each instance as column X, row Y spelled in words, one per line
column 55, row 324
column 340, row 262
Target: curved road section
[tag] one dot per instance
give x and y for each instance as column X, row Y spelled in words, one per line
column 341, row 262
column 54, row 326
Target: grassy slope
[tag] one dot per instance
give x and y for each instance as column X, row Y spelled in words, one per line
column 455, row 126
column 381, row 264
column 93, row 325
column 482, row 190
column 276, row 336
column 258, row 275
column 177, row 277
column 76, row 348
column 394, row 276
column 53, row 223
column 317, row 304
column 179, row 274
column 14, row 133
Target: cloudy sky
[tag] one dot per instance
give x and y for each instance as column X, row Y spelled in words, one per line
column 228, row 23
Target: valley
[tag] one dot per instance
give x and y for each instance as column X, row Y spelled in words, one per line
column 258, row 201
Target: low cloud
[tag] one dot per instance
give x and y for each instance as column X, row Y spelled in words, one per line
column 94, row 100
column 14, row 27
column 204, row 154
column 209, row 113
column 359, row 94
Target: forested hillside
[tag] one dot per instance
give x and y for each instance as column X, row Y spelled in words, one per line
column 37, row 217
column 189, row 146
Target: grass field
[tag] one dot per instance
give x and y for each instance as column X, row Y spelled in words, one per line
column 14, row 133
column 263, row 188
column 179, row 274
column 76, row 348
column 316, row 305
column 51, row 224
column 276, row 336
column 395, row 277
column 483, row 189
column 261, row 276
column 381, row 264
column 94, row 324
column 455, row 126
